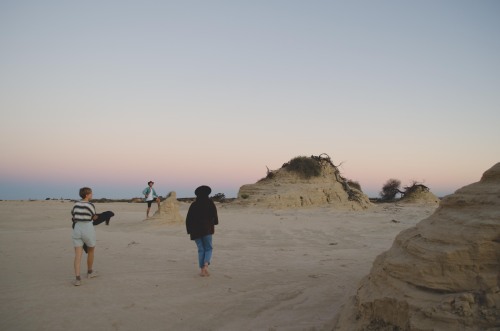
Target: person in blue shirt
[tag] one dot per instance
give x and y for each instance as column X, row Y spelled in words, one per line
column 150, row 196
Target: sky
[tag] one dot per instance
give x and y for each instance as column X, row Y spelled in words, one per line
column 112, row 94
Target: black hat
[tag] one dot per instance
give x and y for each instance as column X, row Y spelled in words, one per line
column 203, row 191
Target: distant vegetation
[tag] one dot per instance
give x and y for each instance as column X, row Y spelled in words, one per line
column 305, row 167
column 219, row 197
column 392, row 187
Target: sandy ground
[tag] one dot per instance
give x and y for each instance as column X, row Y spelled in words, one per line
column 271, row 269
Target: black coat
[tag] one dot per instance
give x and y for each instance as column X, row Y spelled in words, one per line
column 103, row 217
column 201, row 218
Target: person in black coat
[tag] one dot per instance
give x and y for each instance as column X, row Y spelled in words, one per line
column 200, row 224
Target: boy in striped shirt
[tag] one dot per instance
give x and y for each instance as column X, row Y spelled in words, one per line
column 83, row 214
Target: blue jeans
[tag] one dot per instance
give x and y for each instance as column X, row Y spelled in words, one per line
column 204, row 250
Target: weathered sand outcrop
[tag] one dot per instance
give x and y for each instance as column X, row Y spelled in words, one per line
column 287, row 189
column 442, row 274
column 169, row 210
column 419, row 194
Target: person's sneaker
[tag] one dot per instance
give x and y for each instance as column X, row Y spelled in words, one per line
column 92, row 275
column 77, row 282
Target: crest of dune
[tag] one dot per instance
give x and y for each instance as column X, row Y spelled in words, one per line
column 442, row 274
column 284, row 188
column 418, row 193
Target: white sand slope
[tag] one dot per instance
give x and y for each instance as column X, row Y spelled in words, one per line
column 271, row 270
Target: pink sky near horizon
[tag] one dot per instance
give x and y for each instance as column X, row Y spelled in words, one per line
column 225, row 177
column 195, row 93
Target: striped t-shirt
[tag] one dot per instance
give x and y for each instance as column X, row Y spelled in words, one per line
column 83, row 211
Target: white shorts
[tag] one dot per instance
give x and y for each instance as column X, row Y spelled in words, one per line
column 84, row 232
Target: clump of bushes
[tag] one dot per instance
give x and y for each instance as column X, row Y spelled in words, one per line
column 304, row 166
column 390, row 189
column 415, row 187
column 219, row 197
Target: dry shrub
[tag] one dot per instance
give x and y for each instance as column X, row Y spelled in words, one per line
column 305, row 167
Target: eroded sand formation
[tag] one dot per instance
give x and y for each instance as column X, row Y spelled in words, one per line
column 442, row 274
column 169, row 210
column 287, row 189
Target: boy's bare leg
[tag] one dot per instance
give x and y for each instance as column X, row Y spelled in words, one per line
column 90, row 258
column 147, row 212
column 78, row 259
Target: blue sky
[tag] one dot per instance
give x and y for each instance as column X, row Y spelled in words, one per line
column 111, row 94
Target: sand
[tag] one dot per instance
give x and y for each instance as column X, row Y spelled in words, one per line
column 271, row 270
